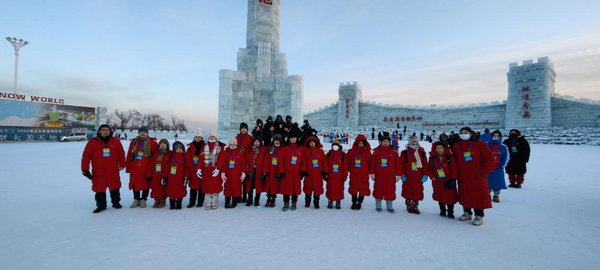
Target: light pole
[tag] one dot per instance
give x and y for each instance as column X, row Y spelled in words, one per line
column 18, row 44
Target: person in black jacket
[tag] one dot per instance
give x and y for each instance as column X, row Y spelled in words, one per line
column 268, row 132
column 257, row 131
column 519, row 150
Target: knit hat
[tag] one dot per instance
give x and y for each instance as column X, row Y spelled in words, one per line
column 293, row 134
column 165, row 141
column 198, row 133
column 143, row 128
column 338, row 143
column 413, row 139
column 233, row 141
column 277, row 137
column 178, row 144
column 213, row 134
column 243, row 125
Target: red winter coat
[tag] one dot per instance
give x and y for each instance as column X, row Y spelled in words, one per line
column 105, row 170
column 175, row 185
column 336, row 179
column 412, row 188
column 233, row 171
column 473, row 189
column 211, row 184
column 193, row 160
column 270, row 167
column 158, row 172
column 313, row 182
column 256, row 167
column 440, row 192
column 138, row 168
column 385, row 177
column 359, row 176
column 290, row 184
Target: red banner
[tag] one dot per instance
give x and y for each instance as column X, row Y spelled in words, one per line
column 266, row 2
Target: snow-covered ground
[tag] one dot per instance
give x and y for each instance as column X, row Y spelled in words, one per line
column 47, row 223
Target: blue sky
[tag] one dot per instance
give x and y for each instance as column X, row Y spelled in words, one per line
column 165, row 56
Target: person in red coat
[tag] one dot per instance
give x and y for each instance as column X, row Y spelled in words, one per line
column 359, row 162
column 244, row 141
column 178, row 175
column 255, row 162
column 159, row 167
column 108, row 158
column 316, row 170
column 193, row 157
column 138, row 159
column 385, row 170
column 209, row 172
column 336, row 176
column 233, row 172
column 443, row 171
column 290, row 168
column 414, row 174
column 475, row 161
column 271, row 162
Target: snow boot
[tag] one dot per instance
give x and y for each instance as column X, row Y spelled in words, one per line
column 227, row 202
column 143, row 203
column 354, row 205
column 409, row 207
column 512, row 185
column 117, row 206
column 338, row 205
column 234, row 201
column 250, row 200
column 99, row 209
column 257, row 200
column 359, row 202
column 162, row 203
column 286, row 206
column 330, row 205
column 178, row 203
column 317, row 198
column 496, row 199
column 193, row 196
column 293, row 205
column 450, row 211
column 200, row 198
column 135, row 204
column 307, row 201
column 156, row 203
column 517, row 186
column 172, row 204
column 390, row 207
column 416, row 207
column 465, row 217
column 478, row 221
column 378, row 205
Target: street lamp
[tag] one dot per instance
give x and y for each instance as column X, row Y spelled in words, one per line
column 18, row 44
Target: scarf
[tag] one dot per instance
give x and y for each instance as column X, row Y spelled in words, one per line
column 215, row 154
column 255, row 156
column 146, row 147
column 417, row 158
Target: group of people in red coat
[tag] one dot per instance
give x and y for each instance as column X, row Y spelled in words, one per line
column 245, row 168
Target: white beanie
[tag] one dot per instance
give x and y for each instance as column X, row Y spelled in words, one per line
column 198, row 133
column 233, row 141
column 213, row 134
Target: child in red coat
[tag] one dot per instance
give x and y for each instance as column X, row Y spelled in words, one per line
column 443, row 172
column 159, row 169
column 338, row 173
column 315, row 171
column 233, row 172
column 177, row 176
column 413, row 169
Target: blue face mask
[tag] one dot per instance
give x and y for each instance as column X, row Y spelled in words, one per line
column 496, row 141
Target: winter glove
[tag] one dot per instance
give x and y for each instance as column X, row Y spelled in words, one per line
column 280, row 176
column 249, row 175
column 164, row 181
column 264, row 177
column 303, row 174
column 403, row 178
column 324, row 174
column 87, row 174
column 224, row 177
column 449, row 184
column 149, row 179
column 186, row 181
column 424, row 179
column 199, row 173
column 215, row 172
column 243, row 177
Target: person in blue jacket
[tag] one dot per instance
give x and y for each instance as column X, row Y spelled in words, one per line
column 496, row 180
column 486, row 136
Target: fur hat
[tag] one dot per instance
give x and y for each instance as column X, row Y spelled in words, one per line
column 293, row 134
column 243, row 125
column 198, row 133
column 213, row 134
column 178, row 144
column 143, row 128
column 165, row 141
column 386, row 136
column 233, row 141
column 277, row 137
